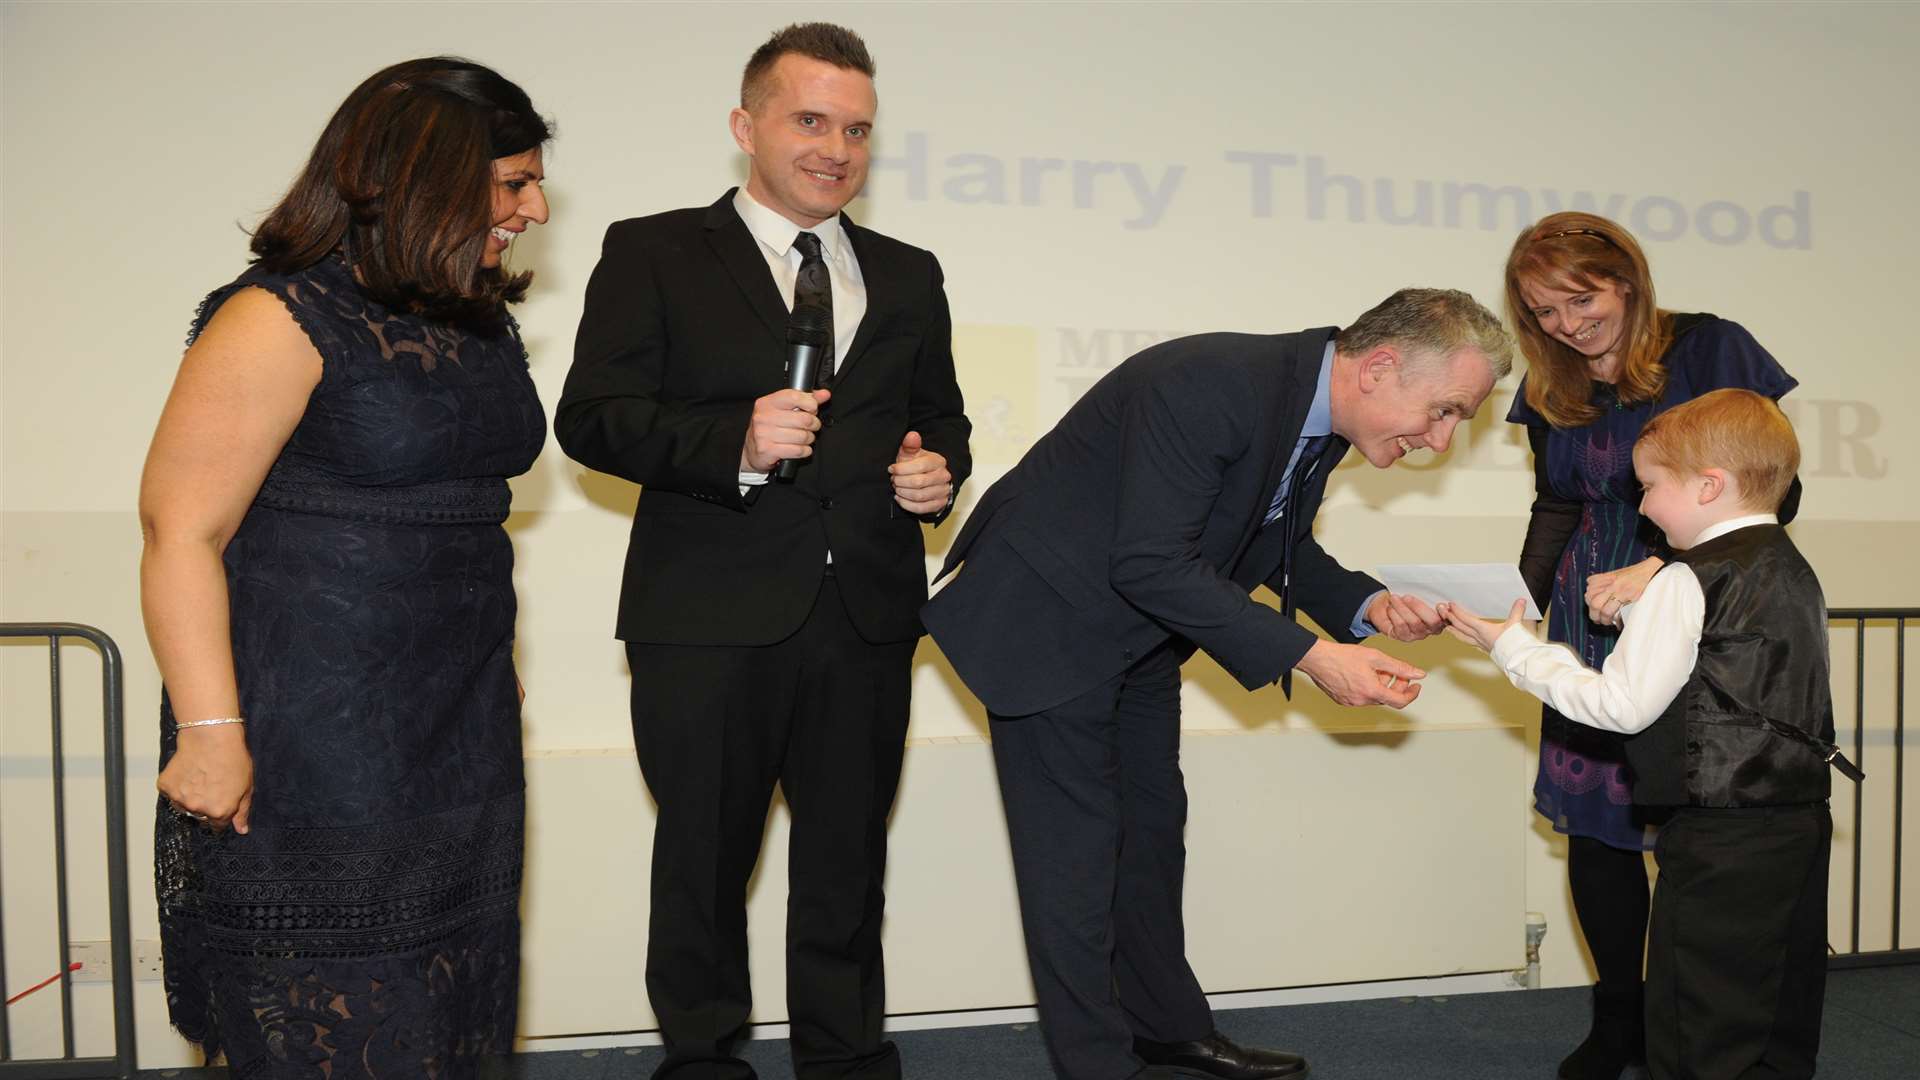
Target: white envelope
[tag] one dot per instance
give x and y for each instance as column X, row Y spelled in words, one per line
column 1486, row 589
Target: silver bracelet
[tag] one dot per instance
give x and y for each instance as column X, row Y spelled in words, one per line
column 209, row 723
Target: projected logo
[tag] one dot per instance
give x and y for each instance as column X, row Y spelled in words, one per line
column 1000, row 374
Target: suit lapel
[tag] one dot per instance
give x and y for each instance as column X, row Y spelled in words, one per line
column 739, row 252
column 884, row 291
column 1294, row 375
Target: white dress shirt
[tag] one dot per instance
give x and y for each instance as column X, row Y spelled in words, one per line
column 775, row 235
column 1649, row 665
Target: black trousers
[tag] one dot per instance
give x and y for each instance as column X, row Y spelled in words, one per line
column 1736, row 959
column 1096, row 812
column 824, row 715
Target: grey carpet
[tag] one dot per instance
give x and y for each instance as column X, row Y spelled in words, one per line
column 1872, row 1032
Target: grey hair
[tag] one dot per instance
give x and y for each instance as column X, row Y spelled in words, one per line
column 1431, row 325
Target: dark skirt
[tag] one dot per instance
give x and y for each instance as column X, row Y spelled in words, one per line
column 368, row 924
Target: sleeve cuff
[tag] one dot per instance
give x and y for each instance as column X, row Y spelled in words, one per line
column 1361, row 628
column 1511, row 642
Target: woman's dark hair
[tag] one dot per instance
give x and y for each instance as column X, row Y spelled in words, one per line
column 402, row 180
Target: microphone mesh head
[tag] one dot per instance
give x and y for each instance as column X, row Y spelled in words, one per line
column 809, row 325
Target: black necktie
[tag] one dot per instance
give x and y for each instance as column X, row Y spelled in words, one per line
column 812, row 287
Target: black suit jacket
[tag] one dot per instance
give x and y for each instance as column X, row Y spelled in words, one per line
column 683, row 329
column 1138, row 519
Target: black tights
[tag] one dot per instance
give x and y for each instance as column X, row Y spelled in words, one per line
column 1611, row 898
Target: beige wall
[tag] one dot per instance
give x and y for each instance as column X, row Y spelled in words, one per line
column 1240, row 167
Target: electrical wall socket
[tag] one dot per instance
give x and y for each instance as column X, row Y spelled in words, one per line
column 146, row 960
column 96, row 960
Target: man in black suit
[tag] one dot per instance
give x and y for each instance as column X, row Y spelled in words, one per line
column 1131, row 534
column 770, row 626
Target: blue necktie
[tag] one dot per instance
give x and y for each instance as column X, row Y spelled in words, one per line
column 1298, row 470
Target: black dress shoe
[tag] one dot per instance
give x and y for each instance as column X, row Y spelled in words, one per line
column 1220, row 1057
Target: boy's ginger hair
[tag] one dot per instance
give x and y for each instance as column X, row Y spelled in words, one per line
column 1739, row 431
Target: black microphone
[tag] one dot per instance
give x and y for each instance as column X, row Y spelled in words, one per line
column 809, row 335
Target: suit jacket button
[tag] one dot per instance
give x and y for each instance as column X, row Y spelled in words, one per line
column 1127, row 655
column 826, row 502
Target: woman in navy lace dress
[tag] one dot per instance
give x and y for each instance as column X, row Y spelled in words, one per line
column 1603, row 359
column 328, row 592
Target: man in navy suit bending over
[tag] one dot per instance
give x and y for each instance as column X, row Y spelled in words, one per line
column 1131, row 534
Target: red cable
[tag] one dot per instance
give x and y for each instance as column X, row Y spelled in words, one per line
column 49, row 981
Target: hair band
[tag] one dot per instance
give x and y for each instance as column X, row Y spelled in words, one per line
column 1603, row 237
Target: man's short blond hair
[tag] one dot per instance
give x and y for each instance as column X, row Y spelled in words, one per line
column 1737, row 430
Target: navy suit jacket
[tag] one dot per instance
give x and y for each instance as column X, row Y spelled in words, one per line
column 1138, row 519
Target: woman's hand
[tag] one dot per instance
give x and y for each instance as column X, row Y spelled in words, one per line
column 211, row 776
column 1609, row 592
column 1476, row 631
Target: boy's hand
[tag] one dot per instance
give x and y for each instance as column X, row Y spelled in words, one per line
column 1609, row 592
column 1478, row 632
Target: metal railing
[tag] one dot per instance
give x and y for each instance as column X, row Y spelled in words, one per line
column 70, row 1066
column 1895, row 953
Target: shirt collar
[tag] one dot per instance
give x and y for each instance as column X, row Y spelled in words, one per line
column 777, row 233
column 1320, row 413
column 1722, row 528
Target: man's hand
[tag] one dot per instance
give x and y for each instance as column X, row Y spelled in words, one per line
column 921, row 482
column 1404, row 618
column 1609, row 592
column 210, row 776
column 1358, row 675
column 1478, row 632
column 782, row 427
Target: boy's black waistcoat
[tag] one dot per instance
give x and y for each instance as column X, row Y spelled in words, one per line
column 1743, row 731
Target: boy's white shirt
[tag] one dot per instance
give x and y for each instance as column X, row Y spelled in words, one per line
column 1649, row 664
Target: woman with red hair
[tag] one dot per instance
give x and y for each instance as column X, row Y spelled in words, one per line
column 1602, row 359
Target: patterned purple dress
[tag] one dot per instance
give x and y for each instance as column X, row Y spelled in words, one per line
column 1586, row 479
